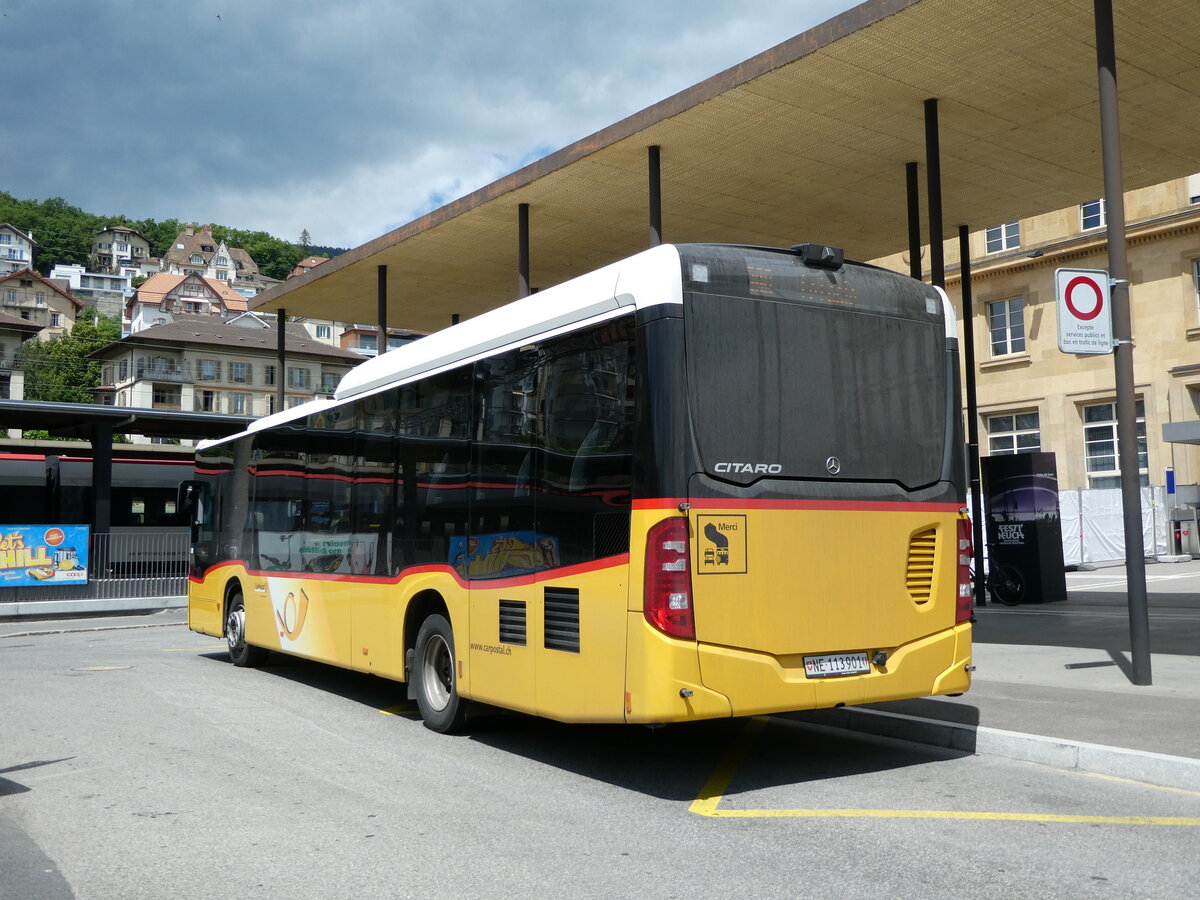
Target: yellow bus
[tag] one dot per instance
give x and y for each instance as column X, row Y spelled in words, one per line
column 704, row 481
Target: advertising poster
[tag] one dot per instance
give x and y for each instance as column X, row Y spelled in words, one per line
column 43, row 554
column 1024, row 531
column 505, row 555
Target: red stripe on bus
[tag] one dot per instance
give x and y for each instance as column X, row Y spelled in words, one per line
column 608, row 562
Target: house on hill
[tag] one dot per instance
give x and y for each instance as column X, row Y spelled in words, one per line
column 14, row 331
column 306, row 265
column 161, row 297
column 16, row 249
column 116, row 249
column 196, row 251
column 38, row 300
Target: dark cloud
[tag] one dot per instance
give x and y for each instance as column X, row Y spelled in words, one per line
column 346, row 119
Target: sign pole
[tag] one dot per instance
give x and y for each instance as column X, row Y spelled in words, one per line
column 1118, row 266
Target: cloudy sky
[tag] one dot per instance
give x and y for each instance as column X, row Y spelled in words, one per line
column 344, row 118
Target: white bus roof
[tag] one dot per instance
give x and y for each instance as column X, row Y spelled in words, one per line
column 649, row 278
column 646, row 279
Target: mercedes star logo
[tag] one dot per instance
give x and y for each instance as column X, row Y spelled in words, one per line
column 833, row 465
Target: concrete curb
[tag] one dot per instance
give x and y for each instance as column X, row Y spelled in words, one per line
column 66, row 629
column 1095, row 759
column 44, row 609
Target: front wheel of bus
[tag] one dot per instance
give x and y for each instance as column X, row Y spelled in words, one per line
column 436, row 686
column 240, row 653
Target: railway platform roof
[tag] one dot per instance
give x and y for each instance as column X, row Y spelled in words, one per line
column 808, row 140
column 80, row 420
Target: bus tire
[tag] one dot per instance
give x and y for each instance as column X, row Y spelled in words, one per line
column 240, row 653
column 442, row 709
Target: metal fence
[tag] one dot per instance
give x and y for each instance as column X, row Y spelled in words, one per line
column 121, row 565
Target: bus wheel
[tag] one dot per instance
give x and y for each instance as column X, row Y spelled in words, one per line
column 436, row 687
column 240, row 653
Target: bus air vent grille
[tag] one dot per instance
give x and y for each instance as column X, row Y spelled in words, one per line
column 562, row 619
column 922, row 551
column 512, row 622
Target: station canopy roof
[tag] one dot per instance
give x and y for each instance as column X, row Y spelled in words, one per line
column 808, row 141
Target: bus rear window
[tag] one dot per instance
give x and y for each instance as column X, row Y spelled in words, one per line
column 815, row 390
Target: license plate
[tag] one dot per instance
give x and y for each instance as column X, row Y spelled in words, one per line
column 835, row 664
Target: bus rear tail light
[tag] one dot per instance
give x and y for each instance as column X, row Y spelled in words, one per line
column 667, row 589
column 966, row 555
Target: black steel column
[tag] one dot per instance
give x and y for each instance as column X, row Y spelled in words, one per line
column 964, row 255
column 1118, row 266
column 523, row 250
column 281, row 375
column 933, row 178
column 102, row 437
column 914, row 220
column 381, row 308
column 654, row 159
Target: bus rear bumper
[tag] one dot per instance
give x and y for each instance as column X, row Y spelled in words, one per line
column 758, row 683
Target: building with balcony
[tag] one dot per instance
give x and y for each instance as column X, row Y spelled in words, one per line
column 36, row 299
column 209, row 364
column 116, row 249
column 1031, row 395
column 16, row 249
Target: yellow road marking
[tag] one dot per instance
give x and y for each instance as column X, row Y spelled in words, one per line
column 714, row 789
column 1145, row 784
column 402, row 710
column 708, row 802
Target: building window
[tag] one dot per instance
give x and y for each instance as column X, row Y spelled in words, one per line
column 1196, row 285
column 297, row 378
column 10, row 294
column 208, row 401
column 1006, row 323
column 1100, row 445
column 239, row 404
column 239, row 372
column 323, row 332
column 1092, row 214
column 269, row 375
column 328, row 382
column 222, row 275
column 1004, row 237
column 5, row 390
column 196, row 259
column 207, row 370
column 5, row 238
column 293, row 402
column 1014, row 433
column 56, row 320
column 166, row 397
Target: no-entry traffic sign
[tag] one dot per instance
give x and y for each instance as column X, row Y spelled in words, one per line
column 1084, row 313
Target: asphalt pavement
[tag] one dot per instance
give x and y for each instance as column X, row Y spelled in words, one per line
column 1053, row 682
